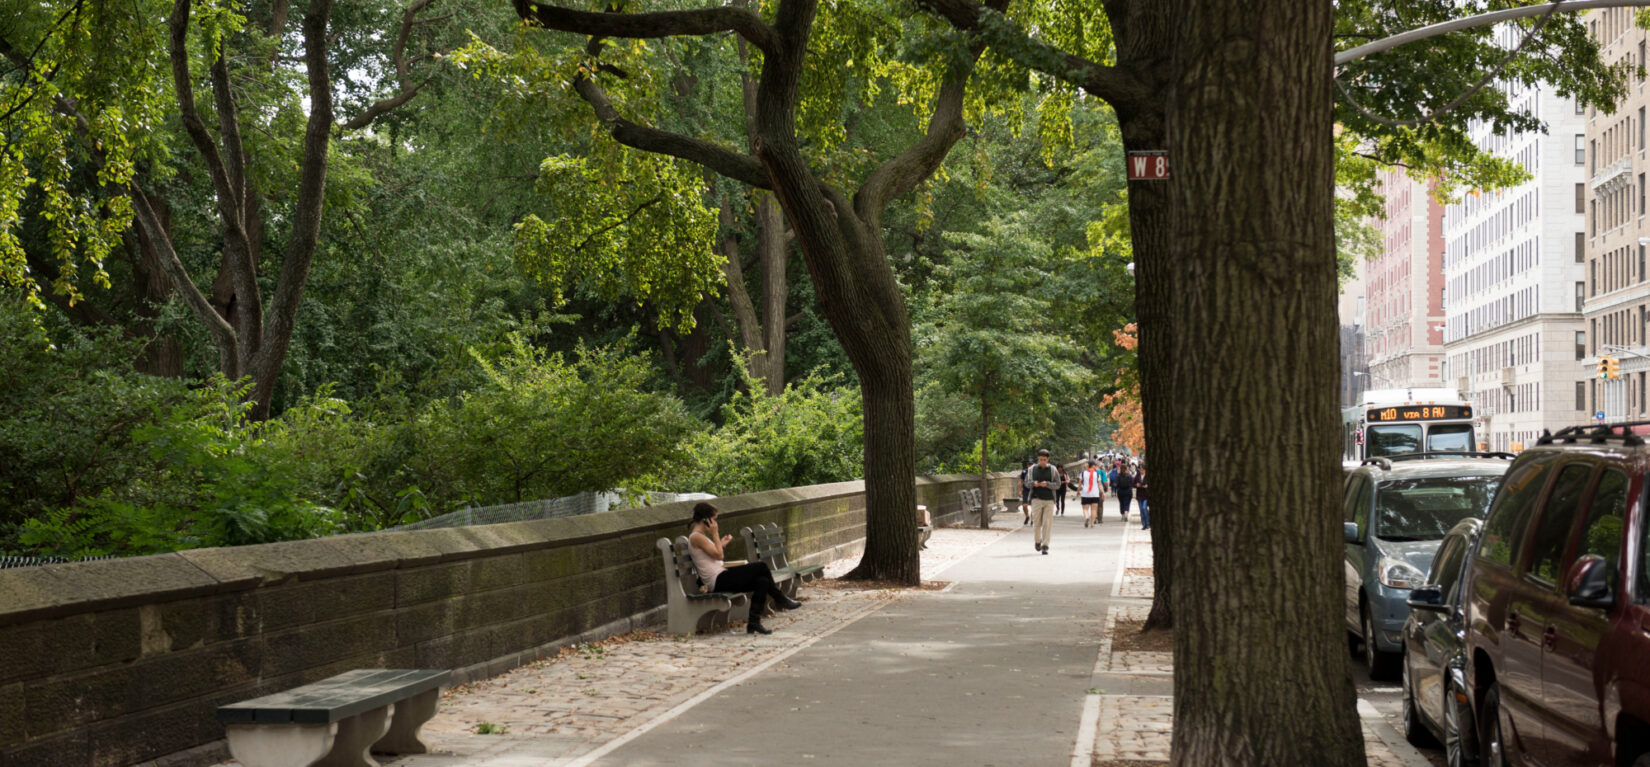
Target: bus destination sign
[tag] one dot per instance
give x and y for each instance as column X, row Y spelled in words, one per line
column 1419, row 413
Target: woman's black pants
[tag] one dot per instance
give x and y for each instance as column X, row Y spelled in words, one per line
column 755, row 578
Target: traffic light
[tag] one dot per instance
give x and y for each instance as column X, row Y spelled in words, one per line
column 1603, row 367
column 1613, row 367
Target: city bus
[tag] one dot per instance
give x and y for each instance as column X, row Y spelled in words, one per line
column 1395, row 421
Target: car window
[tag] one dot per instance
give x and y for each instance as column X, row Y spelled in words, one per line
column 1360, row 508
column 1392, row 440
column 1553, row 527
column 1451, row 437
column 1606, row 518
column 1354, row 486
column 1425, row 509
column 1505, row 526
column 1446, row 565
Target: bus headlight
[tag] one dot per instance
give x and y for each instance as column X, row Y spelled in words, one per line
column 1398, row 574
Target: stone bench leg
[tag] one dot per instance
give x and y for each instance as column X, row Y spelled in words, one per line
column 355, row 736
column 409, row 717
column 280, row 745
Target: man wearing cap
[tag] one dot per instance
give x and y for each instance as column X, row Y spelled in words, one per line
column 1043, row 481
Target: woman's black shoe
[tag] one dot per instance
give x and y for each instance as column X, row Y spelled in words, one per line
column 754, row 627
column 783, row 602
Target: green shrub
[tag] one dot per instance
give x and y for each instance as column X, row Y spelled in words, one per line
column 810, row 434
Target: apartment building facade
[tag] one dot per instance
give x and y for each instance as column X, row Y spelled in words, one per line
column 1617, row 293
column 1512, row 269
column 1403, row 310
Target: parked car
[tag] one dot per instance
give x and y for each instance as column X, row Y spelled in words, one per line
column 1396, row 512
column 1434, row 662
column 1557, row 625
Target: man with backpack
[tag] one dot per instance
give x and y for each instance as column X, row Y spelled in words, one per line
column 1042, row 481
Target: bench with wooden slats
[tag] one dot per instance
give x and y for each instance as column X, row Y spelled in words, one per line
column 766, row 543
column 687, row 608
column 336, row 722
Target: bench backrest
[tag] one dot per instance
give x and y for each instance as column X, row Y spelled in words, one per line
column 767, row 544
column 679, row 569
column 979, row 501
column 968, row 502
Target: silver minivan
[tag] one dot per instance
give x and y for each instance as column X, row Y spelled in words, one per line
column 1396, row 510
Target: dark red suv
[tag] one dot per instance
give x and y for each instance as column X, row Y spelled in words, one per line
column 1558, row 606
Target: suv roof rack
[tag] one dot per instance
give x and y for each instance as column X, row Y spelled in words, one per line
column 1451, row 454
column 1597, row 435
column 1385, row 464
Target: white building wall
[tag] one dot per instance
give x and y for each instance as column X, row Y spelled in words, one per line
column 1510, row 274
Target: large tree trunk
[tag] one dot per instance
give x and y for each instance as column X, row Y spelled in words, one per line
column 1143, row 40
column 1260, row 666
column 774, row 257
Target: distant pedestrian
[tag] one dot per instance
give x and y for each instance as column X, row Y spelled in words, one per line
column 1089, row 488
column 1140, row 497
column 1044, row 481
column 705, row 546
column 1025, row 492
column 1060, row 495
column 1125, row 490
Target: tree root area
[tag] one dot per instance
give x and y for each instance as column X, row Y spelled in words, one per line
column 845, row 584
column 1131, row 636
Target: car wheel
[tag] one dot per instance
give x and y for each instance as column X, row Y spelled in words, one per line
column 1642, row 761
column 1354, row 645
column 1414, row 731
column 1489, row 728
column 1379, row 663
column 1458, row 743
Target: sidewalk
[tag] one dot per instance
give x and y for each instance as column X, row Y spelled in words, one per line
column 1011, row 663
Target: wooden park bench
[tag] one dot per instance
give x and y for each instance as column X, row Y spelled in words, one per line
column 973, row 503
column 687, row 606
column 337, row 721
column 766, row 543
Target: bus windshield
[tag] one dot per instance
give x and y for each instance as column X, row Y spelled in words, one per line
column 1453, row 437
column 1392, row 440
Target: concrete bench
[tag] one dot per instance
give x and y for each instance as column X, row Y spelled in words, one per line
column 766, row 543
column 687, row 607
column 335, row 722
column 925, row 527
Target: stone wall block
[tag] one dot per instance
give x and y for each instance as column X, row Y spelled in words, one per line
column 12, row 724
column 353, row 595
column 45, row 647
column 498, row 572
column 431, row 583
column 548, row 564
column 489, row 608
column 422, row 622
column 308, row 646
column 68, row 702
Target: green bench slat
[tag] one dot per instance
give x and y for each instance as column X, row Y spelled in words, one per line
column 715, row 595
column 335, row 698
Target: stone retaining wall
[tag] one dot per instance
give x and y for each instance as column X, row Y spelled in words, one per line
column 123, row 661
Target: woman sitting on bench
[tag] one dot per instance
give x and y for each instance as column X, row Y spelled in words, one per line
column 705, row 546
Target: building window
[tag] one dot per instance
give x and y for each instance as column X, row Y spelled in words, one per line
column 1581, row 198
column 1581, row 246
column 1581, row 395
column 1592, row 167
column 1581, row 344
column 1581, row 297
column 1594, row 265
column 1581, row 149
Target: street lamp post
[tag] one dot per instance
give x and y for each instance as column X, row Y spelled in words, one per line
column 1493, row 17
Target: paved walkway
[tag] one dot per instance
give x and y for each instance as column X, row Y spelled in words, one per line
column 1010, row 664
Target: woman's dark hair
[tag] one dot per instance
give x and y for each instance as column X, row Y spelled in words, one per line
column 703, row 511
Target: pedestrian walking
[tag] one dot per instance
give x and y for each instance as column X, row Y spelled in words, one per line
column 1043, row 481
column 1025, row 492
column 1089, row 488
column 1140, row 498
column 1060, row 495
column 1125, row 490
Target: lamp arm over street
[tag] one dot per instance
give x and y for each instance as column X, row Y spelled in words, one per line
column 1624, row 350
column 1493, row 17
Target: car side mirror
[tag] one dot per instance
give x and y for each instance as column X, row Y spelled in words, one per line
column 1349, row 531
column 1430, row 597
column 1591, row 582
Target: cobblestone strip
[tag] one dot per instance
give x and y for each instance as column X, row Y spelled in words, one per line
column 1132, row 662
column 1140, row 727
column 1137, row 561
column 555, row 710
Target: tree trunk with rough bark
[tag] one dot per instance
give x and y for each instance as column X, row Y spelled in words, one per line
column 1260, row 663
column 1143, row 40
